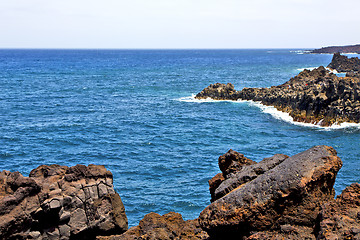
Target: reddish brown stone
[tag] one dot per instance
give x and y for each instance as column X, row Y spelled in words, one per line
column 291, row 193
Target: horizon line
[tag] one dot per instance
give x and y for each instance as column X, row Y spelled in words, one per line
column 105, row 48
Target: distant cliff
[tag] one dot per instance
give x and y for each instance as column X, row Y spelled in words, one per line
column 340, row 49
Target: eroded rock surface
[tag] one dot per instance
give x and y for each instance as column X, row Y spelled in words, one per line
column 278, row 197
column 156, row 227
column 59, row 202
column 340, row 219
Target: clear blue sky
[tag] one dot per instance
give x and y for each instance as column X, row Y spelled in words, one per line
column 178, row 23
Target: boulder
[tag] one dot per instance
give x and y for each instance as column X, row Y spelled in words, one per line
column 156, row 227
column 59, row 202
column 279, row 196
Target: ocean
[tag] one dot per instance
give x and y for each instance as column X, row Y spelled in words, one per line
column 134, row 112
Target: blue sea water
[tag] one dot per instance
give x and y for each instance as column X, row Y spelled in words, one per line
column 127, row 110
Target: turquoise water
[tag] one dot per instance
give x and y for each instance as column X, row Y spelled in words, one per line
column 131, row 111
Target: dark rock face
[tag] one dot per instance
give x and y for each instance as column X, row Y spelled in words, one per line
column 341, row 49
column 278, row 197
column 58, row 202
column 317, row 96
column 218, row 91
column 156, row 227
column 342, row 63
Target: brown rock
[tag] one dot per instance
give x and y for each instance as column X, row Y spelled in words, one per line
column 290, row 193
column 233, row 161
column 156, row 227
column 340, row 219
column 58, row 202
column 214, row 183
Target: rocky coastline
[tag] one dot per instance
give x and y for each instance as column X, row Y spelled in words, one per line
column 280, row 197
column 336, row 49
column 318, row 96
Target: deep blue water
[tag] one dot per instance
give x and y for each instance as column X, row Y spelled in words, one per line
column 121, row 108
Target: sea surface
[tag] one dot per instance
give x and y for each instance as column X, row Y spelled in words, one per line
column 134, row 112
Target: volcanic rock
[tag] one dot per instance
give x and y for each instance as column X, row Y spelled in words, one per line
column 342, row 63
column 278, row 197
column 317, row 97
column 59, row 202
column 218, row 91
column 340, row 219
column 156, row 227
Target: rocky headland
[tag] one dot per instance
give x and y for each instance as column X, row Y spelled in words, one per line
column 342, row 63
column 318, row 96
column 280, row 197
column 340, row 49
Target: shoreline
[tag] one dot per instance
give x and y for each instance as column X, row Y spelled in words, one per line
column 276, row 114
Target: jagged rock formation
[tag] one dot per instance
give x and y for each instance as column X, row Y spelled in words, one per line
column 59, row 202
column 156, row 227
column 317, row 96
column 230, row 162
column 218, row 91
column 279, row 197
column 341, row 49
column 342, row 63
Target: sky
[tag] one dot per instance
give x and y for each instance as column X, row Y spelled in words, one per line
column 178, row 23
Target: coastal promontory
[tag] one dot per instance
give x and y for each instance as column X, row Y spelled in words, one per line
column 318, row 96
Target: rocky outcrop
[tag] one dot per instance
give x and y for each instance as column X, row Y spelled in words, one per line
column 342, row 63
column 218, row 91
column 317, row 96
column 341, row 49
column 59, row 202
column 156, row 227
column 278, row 197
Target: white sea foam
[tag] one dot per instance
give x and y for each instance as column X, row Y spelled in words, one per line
column 283, row 116
column 193, row 99
column 308, row 68
column 300, row 51
column 287, row 118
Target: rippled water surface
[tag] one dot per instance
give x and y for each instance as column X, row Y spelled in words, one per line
column 125, row 109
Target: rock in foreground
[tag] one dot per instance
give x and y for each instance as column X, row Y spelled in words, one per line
column 156, row 227
column 59, row 202
column 279, row 196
